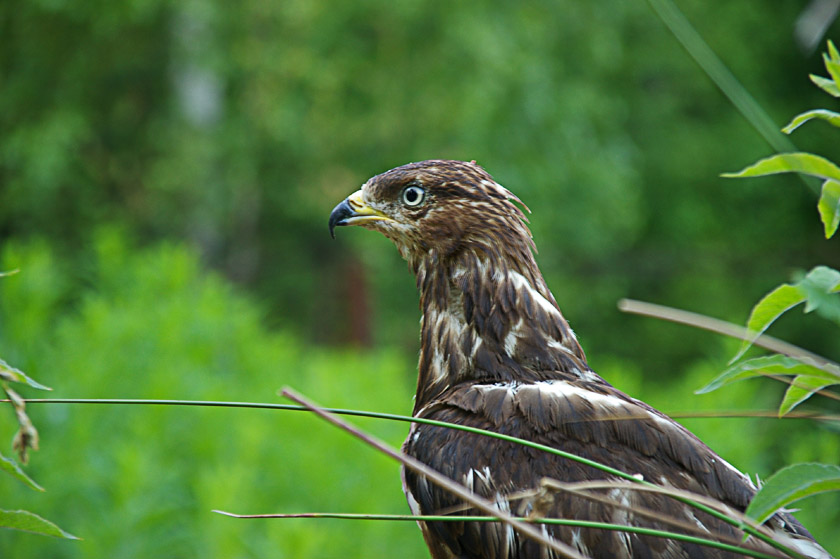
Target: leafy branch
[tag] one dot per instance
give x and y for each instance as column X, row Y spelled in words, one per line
column 25, row 439
column 818, row 290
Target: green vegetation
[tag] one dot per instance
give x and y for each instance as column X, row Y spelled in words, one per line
column 811, row 374
column 142, row 481
column 166, row 172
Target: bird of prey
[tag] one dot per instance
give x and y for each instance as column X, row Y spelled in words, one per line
column 496, row 353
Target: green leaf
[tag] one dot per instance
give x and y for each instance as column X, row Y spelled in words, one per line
column 829, row 207
column 826, row 85
column 832, row 52
column 822, row 114
column 768, row 365
column 768, row 309
column 9, row 373
column 29, row 522
column 9, row 273
column 791, row 484
column 10, row 466
column 798, row 162
column 833, row 67
column 818, row 288
column 802, row 388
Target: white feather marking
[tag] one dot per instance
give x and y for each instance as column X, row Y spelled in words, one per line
column 477, row 342
column 511, row 338
column 577, row 541
column 621, row 515
column 563, row 388
column 805, row 546
column 734, row 470
column 468, row 479
column 412, row 503
column 545, row 551
column 558, row 388
column 504, row 505
column 519, row 282
column 695, row 520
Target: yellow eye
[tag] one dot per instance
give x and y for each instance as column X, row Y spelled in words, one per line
column 413, row 195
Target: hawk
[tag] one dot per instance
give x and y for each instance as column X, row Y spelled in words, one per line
column 496, row 353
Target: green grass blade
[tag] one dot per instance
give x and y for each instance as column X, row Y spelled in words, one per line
column 408, row 419
column 720, row 74
column 550, row 521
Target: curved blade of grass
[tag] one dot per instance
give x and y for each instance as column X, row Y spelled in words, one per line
column 30, row 522
column 13, row 468
column 440, row 480
column 728, row 329
column 829, row 207
column 425, row 471
column 822, row 114
column 791, row 484
column 408, row 419
column 700, row 51
column 550, row 521
column 393, row 417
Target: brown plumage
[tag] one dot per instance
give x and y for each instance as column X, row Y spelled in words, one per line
column 496, row 353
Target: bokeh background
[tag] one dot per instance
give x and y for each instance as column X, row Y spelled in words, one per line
column 166, row 174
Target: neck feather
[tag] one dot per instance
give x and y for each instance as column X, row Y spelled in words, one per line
column 489, row 317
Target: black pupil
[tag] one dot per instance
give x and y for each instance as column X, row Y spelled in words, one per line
column 411, row 195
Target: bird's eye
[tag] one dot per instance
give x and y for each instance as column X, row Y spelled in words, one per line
column 413, row 195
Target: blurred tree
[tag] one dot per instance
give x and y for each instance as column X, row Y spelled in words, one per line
column 236, row 127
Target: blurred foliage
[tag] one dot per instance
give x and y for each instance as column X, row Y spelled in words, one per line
column 138, row 481
column 238, row 128
column 143, row 142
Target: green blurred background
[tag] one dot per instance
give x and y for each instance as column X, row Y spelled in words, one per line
column 166, row 174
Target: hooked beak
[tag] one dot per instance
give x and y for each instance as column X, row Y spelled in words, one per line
column 353, row 211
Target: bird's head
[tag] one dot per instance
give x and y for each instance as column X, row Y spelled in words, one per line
column 437, row 207
column 487, row 311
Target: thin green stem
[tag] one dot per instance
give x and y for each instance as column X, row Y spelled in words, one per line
column 769, row 414
column 712, row 65
column 552, row 521
column 395, row 417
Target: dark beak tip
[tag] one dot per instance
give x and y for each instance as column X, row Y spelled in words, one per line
column 339, row 216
